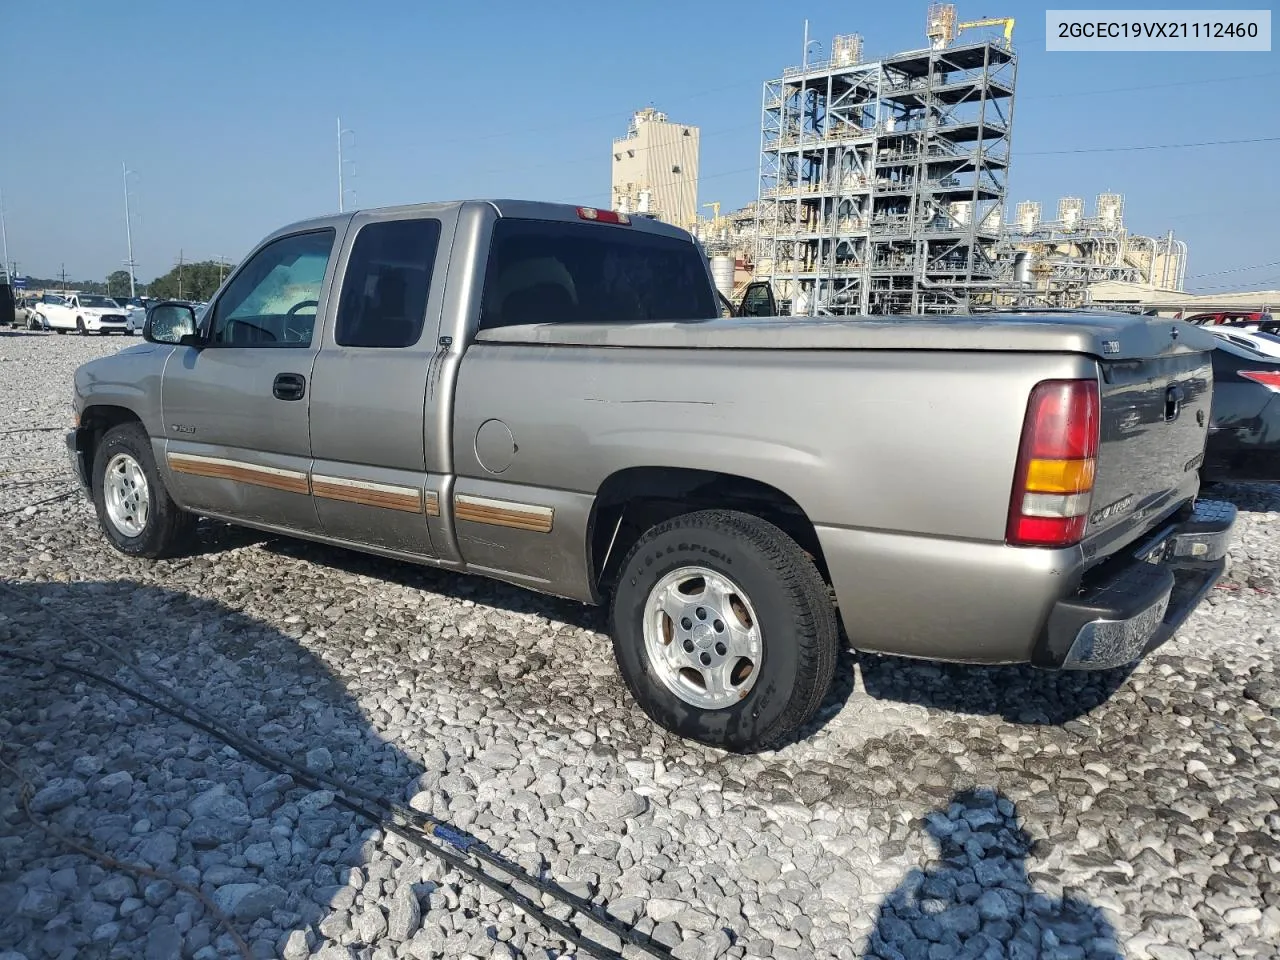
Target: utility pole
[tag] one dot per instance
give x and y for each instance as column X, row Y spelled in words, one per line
column 63, row 276
column 4, row 233
column 179, row 273
column 128, row 226
column 342, row 190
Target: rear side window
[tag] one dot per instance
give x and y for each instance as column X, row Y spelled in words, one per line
column 543, row 271
column 384, row 295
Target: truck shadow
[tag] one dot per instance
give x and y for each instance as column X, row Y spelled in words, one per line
column 1018, row 694
column 146, row 789
column 518, row 600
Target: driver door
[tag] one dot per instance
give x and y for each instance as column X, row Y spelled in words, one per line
column 237, row 440
column 758, row 301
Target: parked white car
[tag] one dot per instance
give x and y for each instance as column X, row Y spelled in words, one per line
column 135, row 313
column 83, row 312
column 1267, row 344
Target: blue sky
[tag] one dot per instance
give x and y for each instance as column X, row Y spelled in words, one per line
column 227, row 114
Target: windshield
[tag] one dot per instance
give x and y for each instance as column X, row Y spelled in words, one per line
column 105, row 302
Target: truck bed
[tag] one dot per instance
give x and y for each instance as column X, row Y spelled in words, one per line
column 1112, row 336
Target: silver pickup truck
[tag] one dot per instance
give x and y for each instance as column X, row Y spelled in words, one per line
column 546, row 395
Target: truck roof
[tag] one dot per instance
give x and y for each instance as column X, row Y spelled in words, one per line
column 522, row 209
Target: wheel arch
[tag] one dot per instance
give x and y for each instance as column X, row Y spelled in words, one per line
column 630, row 501
column 95, row 421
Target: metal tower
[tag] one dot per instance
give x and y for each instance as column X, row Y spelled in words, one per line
column 882, row 183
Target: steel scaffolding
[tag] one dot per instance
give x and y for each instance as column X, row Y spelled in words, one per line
column 882, row 183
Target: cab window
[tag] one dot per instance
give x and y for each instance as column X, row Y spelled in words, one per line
column 384, row 294
column 272, row 302
column 557, row 272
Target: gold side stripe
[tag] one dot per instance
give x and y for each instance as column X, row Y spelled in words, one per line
column 499, row 513
column 503, row 513
column 290, row 481
column 368, row 493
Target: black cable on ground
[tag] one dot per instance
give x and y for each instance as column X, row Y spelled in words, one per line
column 62, row 496
column 418, row 826
column 5, row 433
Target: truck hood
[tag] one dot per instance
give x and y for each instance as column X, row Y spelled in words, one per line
column 1111, row 336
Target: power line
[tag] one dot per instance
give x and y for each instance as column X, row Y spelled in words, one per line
column 1145, row 86
column 1217, row 273
column 1148, row 146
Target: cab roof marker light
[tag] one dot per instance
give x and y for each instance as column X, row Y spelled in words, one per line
column 603, row 216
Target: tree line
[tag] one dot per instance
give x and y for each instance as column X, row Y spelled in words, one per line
column 196, row 280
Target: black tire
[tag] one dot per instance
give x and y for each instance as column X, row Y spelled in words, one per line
column 169, row 529
column 796, row 618
column 80, row 327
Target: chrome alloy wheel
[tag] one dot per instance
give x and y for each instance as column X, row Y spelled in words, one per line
column 127, row 496
column 702, row 637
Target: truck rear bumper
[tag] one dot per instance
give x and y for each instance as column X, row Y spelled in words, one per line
column 969, row 602
column 1131, row 606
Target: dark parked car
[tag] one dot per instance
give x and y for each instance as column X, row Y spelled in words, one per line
column 8, row 313
column 1244, row 432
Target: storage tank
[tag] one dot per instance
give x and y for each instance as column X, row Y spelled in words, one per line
column 800, row 302
column 722, row 274
column 1110, row 209
column 1070, row 212
column 1027, row 215
column 1024, row 262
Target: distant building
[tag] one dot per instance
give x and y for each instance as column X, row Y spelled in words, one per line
column 655, row 169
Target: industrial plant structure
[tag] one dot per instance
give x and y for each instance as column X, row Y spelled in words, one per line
column 882, row 182
column 1057, row 262
column 655, row 169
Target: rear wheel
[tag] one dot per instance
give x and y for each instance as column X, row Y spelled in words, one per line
column 723, row 630
column 134, row 509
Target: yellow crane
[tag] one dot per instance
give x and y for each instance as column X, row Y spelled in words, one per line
column 1006, row 22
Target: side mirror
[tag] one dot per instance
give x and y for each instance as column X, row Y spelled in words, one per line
column 173, row 324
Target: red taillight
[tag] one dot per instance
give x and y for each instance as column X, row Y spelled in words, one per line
column 1057, row 460
column 603, row 216
column 1268, row 378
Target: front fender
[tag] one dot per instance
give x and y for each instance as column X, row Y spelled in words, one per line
column 127, row 382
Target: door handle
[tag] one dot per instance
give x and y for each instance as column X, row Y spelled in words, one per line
column 289, row 386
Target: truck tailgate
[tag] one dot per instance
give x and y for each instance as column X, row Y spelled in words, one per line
column 1154, row 423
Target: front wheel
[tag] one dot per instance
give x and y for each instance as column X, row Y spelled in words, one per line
column 134, row 508
column 80, row 328
column 723, row 630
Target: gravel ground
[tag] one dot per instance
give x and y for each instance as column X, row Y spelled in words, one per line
column 930, row 812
